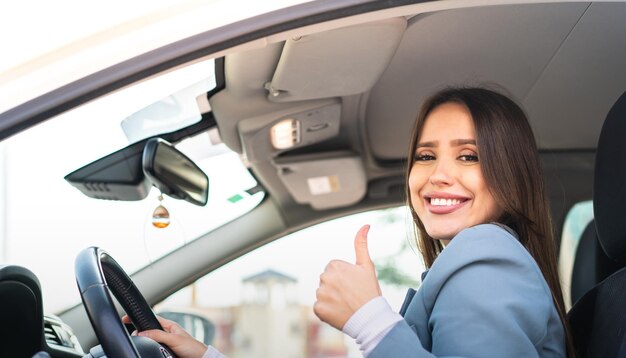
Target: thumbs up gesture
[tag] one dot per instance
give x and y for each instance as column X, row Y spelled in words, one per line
column 345, row 287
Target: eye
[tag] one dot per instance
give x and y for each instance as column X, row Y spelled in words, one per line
column 423, row 157
column 468, row 158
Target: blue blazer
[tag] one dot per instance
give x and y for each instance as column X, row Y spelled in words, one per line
column 484, row 296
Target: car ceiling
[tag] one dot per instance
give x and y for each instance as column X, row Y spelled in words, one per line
column 562, row 61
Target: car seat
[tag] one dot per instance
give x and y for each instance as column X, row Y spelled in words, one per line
column 21, row 313
column 598, row 318
column 591, row 264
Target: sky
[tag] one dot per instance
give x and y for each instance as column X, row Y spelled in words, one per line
column 33, row 28
column 39, row 26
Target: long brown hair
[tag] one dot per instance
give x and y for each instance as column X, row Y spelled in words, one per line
column 512, row 171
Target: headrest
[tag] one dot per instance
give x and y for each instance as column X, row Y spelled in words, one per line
column 609, row 187
column 21, row 312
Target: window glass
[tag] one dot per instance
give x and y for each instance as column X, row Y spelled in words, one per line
column 46, row 221
column 260, row 305
column 577, row 219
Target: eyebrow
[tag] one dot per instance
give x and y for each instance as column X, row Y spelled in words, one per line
column 454, row 143
column 458, row 142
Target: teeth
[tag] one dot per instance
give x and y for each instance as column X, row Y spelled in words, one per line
column 444, row 202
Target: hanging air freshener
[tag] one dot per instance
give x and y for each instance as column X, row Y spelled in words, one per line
column 160, row 215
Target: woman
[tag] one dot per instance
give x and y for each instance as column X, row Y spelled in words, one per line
column 474, row 187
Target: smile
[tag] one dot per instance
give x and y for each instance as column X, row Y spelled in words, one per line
column 444, row 203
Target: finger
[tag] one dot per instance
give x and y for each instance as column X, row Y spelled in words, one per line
column 335, row 265
column 159, row 336
column 360, row 247
column 172, row 327
column 166, row 323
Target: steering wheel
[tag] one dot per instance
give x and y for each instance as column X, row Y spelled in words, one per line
column 97, row 273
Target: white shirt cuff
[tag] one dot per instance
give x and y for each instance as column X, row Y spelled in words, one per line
column 213, row 353
column 370, row 323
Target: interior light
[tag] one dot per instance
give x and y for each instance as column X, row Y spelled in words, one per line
column 285, row 134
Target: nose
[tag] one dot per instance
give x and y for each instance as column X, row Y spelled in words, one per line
column 442, row 174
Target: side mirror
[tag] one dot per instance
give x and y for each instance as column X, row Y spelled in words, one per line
column 173, row 173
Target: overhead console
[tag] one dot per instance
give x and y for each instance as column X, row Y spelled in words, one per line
column 289, row 96
column 266, row 136
column 325, row 180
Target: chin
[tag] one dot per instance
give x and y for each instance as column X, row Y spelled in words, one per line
column 443, row 234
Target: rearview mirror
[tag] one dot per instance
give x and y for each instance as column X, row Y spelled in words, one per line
column 173, row 173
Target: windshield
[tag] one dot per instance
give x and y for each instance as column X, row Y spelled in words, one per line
column 46, row 222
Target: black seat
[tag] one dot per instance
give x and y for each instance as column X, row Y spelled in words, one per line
column 598, row 319
column 591, row 264
column 21, row 313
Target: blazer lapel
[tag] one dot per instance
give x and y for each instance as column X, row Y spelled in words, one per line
column 407, row 301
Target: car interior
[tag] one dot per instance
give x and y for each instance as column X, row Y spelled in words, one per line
column 321, row 109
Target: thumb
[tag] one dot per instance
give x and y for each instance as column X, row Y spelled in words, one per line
column 360, row 247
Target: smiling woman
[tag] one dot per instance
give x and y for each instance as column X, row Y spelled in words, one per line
column 300, row 115
column 485, row 283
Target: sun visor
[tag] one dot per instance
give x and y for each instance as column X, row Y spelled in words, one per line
column 335, row 63
column 334, row 180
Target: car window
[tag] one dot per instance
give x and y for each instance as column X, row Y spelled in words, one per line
column 577, row 219
column 46, row 222
column 260, row 305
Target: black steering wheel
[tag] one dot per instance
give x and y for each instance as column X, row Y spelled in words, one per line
column 97, row 273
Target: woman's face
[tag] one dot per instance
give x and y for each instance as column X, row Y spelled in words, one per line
column 448, row 191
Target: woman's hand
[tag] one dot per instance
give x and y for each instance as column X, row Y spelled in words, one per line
column 175, row 337
column 345, row 287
